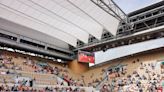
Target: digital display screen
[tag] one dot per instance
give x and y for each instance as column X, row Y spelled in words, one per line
column 87, row 57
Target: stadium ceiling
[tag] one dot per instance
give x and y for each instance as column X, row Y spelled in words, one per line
column 65, row 20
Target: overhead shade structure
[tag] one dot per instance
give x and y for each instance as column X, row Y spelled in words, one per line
column 95, row 13
column 66, row 20
column 9, row 11
column 63, row 13
column 55, row 20
column 6, row 14
column 10, row 28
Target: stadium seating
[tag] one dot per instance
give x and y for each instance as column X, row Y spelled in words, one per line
column 136, row 67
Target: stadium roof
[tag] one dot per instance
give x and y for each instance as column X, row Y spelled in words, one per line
column 129, row 6
column 56, row 21
column 146, row 8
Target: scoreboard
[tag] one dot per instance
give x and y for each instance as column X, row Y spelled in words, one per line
column 86, row 57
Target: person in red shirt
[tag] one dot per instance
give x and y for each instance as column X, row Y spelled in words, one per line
column 160, row 89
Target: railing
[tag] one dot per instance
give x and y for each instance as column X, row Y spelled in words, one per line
column 100, row 84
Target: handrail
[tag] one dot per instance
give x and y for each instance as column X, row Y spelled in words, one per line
column 99, row 84
column 106, row 77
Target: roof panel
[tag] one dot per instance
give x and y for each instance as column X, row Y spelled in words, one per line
column 93, row 11
column 61, row 25
column 20, row 19
column 8, row 26
column 73, row 19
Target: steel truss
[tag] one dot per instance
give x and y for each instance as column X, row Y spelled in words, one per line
column 110, row 7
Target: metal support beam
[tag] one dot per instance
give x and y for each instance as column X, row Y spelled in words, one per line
column 15, row 44
column 45, row 47
column 18, row 39
column 110, row 7
column 146, row 25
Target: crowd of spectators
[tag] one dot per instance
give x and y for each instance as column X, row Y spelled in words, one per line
column 6, row 62
column 16, row 88
column 146, row 78
column 143, row 79
column 44, row 68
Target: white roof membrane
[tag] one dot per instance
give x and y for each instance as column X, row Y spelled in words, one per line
column 66, row 20
column 41, row 27
column 107, row 21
